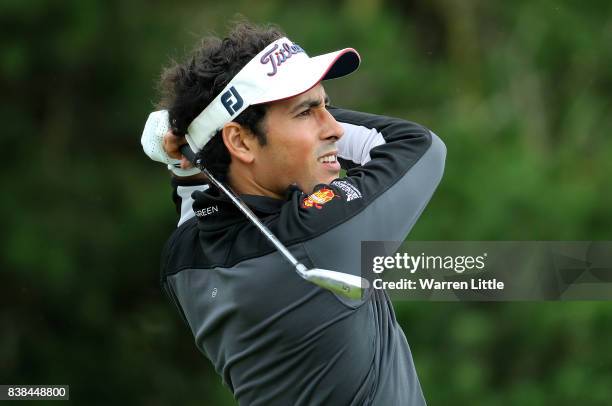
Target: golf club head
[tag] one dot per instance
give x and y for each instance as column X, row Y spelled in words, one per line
column 347, row 285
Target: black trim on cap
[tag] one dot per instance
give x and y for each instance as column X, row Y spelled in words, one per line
column 346, row 63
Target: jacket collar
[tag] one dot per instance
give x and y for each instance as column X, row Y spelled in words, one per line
column 214, row 210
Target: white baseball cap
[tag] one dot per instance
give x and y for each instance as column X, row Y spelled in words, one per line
column 280, row 71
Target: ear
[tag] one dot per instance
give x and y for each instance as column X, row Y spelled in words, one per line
column 240, row 142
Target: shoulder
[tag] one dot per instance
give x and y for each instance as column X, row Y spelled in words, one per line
column 305, row 216
column 182, row 250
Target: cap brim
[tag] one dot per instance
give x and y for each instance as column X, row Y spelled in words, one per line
column 296, row 79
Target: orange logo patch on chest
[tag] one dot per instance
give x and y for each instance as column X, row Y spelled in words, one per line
column 318, row 198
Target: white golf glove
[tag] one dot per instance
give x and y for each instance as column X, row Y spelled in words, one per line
column 152, row 141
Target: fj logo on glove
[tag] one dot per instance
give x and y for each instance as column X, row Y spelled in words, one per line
column 318, row 198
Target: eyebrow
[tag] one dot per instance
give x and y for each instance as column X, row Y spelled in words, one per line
column 309, row 103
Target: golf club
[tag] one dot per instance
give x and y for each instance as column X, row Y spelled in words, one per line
column 344, row 284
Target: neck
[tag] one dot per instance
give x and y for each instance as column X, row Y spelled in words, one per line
column 243, row 183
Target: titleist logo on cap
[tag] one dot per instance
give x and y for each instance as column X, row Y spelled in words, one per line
column 277, row 58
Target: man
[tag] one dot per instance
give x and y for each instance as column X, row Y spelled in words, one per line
column 254, row 104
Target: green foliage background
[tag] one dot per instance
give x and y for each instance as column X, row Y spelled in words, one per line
column 520, row 92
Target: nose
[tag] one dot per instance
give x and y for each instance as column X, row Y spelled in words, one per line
column 331, row 128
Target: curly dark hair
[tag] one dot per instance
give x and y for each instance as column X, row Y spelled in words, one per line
column 187, row 88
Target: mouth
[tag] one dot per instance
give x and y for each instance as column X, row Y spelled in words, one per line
column 328, row 158
column 330, row 161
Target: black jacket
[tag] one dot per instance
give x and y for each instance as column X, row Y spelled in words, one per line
column 275, row 338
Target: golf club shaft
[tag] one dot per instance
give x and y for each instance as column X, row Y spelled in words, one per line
column 188, row 153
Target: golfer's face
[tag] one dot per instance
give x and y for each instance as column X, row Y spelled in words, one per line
column 301, row 147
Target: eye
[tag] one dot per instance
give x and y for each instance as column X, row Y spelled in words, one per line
column 304, row 113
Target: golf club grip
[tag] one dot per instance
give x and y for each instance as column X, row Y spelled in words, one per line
column 188, row 153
